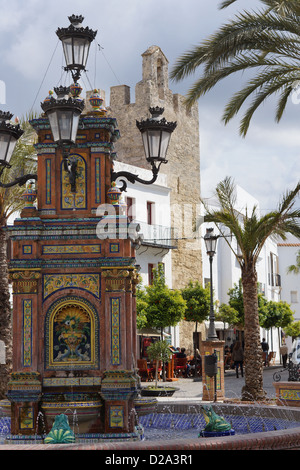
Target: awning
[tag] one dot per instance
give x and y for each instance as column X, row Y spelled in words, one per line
column 151, row 332
column 219, row 325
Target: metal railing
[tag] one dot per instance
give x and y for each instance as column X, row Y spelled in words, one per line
column 293, row 372
column 158, row 235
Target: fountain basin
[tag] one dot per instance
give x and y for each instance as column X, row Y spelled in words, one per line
column 145, row 405
column 289, row 392
column 84, row 414
column 5, row 406
column 231, row 432
column 271, row 438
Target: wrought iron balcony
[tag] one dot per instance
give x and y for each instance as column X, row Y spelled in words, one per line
column 158, row 235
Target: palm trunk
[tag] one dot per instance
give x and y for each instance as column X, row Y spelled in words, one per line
column 5, row 316
column 253, row 388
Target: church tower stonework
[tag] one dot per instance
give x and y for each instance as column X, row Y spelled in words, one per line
column 183, row 168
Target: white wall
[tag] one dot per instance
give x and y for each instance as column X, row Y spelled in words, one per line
column 159, row 194
column 288, row 250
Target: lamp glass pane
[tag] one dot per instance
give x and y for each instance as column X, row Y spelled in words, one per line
column 75, row 126
column 86, row 52
column 153, row 141
column 52, row 116
column 210, row 244
column 11, row 148
column 4, row 143
column 79, row 46
column 145, row 142
column 165, row 139
column 65, row 121
column 7, row 145
column 67, row 47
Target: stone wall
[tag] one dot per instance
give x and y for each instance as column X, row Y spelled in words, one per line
column 183, row 168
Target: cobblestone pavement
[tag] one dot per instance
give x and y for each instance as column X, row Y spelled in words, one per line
column 188, row 389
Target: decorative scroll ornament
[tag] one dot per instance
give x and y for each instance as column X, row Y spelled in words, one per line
column 25, row 281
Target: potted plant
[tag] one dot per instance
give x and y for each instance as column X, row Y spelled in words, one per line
column 158, row 351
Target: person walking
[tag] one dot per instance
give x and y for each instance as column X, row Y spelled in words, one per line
column 238, row 358
column 265, row 348
column 284, row 353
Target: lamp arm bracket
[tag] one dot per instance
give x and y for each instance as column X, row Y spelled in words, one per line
column 133, row 178
column 20, row 181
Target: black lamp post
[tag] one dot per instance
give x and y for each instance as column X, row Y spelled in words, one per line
column 9, row 135
column 156, row 134
column 211, row 244
column 64, row 111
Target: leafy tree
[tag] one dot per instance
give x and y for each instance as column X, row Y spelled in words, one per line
column 163, row 306
column 141, row 307
column 278, row 315
column 251, row 232
column 293, row 329
column 236, row 302
column 233, row 313
column 264, row 42
column 158, row 351
column 228, row 314
column 197, row 302
column 23, row 161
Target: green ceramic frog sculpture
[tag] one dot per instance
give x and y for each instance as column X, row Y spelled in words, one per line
column 61, row 432
column 214, row 422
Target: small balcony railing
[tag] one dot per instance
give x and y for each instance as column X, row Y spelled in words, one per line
column 158, row 235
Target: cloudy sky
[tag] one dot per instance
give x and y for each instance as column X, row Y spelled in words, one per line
column 265, row 163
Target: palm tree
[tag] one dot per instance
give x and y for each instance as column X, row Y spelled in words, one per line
column 251, row 232
column 24, row 160
column 266, row 43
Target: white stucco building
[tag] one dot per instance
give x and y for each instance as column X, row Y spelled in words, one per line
column 149, row 206
column 290, row 282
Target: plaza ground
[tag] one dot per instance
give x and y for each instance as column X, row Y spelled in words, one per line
column 190, row 390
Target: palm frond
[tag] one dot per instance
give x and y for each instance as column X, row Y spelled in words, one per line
column 267, row 42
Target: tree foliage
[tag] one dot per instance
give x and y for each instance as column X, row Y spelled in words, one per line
column 293, row 329
column 158, row 351
column 277, row 315
column 161, row 305
column 197, row 302
column 266, row 43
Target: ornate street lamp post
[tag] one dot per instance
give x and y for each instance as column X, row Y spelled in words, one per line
column 9, row 135
column 76, row 42
column 64, row 111
column 211, row 244
column 63, row 114
column 156, row 134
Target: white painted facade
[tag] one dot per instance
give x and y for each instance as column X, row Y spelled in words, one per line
column 289, row 282
column 151, row 203
column 227, row 272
